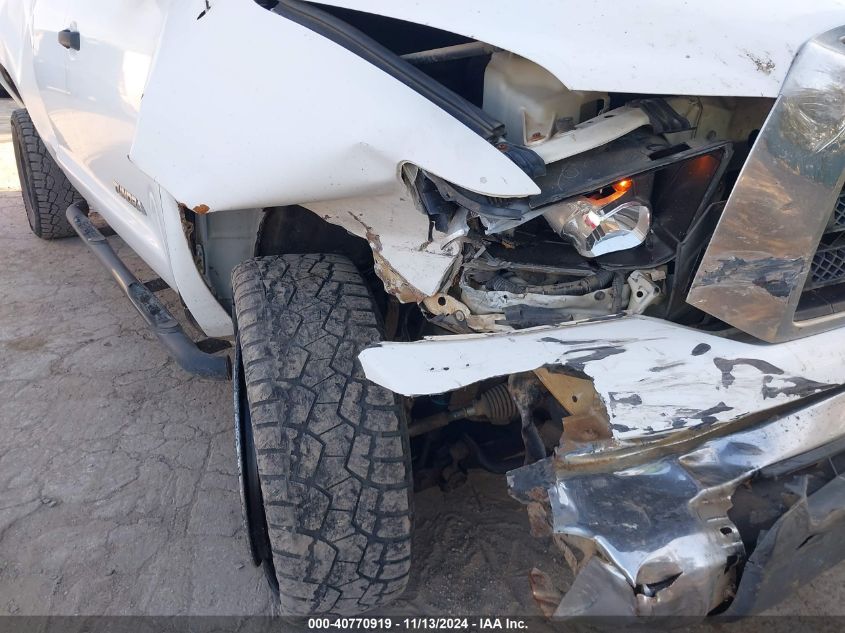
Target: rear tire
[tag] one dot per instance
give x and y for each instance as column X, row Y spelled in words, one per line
column 46, row 191
column 331, row 447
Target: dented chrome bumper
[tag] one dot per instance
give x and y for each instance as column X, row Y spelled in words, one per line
column 654, row 537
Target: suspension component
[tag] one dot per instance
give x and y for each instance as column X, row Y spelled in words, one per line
column 495, row 406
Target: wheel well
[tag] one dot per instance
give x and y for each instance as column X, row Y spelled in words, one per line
column 296, row 230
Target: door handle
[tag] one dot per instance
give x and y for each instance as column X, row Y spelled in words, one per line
column 69, row 39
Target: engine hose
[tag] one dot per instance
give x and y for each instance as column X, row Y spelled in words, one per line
column 618, row 292
column 583, row 286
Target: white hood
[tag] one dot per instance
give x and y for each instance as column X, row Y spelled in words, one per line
column 709, row 47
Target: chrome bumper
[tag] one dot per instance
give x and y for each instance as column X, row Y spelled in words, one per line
column 654, row 537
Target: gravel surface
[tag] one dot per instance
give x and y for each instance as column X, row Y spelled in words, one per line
column 118, row 486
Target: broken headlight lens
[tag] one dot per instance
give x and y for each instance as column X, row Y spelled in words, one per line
column 609, row 220
column 597, row 231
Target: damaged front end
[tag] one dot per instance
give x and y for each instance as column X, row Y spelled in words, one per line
column 594, row 270
column 683, row 467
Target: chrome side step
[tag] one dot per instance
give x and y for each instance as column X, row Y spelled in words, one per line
column 158, row 317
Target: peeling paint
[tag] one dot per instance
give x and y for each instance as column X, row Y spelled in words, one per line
column 727, row 366
column 632, row 399
column 764, row 65
column 666, row 367
column 579, row 363
column 776, row 276
column 800, row 387
column 707, row 416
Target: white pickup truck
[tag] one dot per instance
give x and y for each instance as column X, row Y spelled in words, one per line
column 599, row 247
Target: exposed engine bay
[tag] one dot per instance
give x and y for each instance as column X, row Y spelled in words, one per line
column 629, row 186
column 622, row 215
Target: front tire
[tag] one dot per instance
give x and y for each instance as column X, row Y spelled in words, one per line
column 331, row 447
column 46, row 191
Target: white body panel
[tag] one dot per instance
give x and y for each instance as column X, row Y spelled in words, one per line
column 721, row 47
column 96, row 126
column 653, row 376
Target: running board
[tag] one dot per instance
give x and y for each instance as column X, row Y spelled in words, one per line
column 158, row 317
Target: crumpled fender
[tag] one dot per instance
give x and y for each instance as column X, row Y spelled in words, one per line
column 244, row 108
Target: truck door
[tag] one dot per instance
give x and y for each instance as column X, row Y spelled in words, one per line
column 45, row 91
column 113, row 44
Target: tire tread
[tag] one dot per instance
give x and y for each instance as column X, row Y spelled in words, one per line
column 51, row 191
column 332, row 447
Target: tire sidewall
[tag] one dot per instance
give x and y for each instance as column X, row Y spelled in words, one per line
column 25, row 176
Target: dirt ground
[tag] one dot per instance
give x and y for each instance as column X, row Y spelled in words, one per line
column 118, row 486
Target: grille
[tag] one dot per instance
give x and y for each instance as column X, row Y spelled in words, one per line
column 837, row 221
column 828, row 267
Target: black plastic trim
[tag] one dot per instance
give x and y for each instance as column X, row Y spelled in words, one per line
column 662, row 116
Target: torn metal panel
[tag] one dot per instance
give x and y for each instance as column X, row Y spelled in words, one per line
column 653, row 376
column 598, row 588
column 664, row 543
column 412, row 264
column 330, row 159
column 640, row 522
column 750, row 57
column 754, row 268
